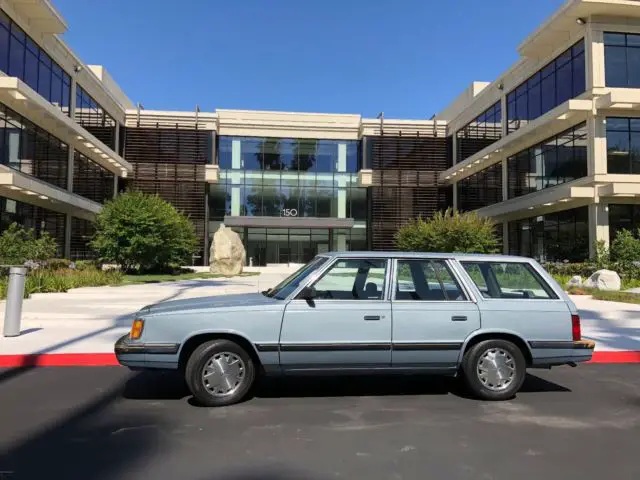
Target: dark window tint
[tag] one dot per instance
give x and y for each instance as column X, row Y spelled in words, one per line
column 508, row 280
column 480, row 133
column 560, row 80
column 353, row 280
column 428, row 280
column 622, row 60
column 623, row 145
column 21, row 57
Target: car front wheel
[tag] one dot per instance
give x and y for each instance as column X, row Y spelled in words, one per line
column 219, row 373
column 494, row 369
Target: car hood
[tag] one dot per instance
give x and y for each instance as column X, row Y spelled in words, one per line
column 218, row 301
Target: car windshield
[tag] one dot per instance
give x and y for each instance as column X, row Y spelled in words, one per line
column 288, row 285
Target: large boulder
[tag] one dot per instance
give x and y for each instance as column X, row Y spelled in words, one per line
column 227, row 255
column 575, row 281
column 604, row 280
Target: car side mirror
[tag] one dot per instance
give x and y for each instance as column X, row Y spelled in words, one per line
column 308, row 293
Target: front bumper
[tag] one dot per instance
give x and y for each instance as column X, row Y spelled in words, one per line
column 124, row 346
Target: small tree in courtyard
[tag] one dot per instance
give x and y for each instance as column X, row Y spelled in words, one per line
column 449, row 231
column 19, row 245
column 143, row 232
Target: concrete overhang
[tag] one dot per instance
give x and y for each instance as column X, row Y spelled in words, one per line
column 618, row 98
column 212, row 173
column 563, row 25
column 560, row 197
column 25, row 188
column 288, row 222
column 41, row 14
column 24, row 100
column 255, row 123
column 554, row 121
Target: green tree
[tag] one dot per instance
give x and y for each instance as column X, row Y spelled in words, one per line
column 449, row 231
column 625, row 248
column 19, row 245
column 143, row 232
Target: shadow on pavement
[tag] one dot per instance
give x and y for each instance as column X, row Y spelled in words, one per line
column 171, row 386
column 88, row 442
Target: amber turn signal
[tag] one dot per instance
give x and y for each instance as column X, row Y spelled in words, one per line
column 136, row 329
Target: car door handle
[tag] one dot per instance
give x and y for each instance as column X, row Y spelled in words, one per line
column 372, row 317
column 458, row 318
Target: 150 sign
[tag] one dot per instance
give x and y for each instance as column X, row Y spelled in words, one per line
column 289, row 212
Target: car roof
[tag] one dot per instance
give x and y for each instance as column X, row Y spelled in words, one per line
column 458, row 256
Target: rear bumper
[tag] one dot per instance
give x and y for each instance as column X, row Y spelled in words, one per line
column 550, row 353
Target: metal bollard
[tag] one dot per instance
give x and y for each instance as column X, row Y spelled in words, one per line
column 15, row 294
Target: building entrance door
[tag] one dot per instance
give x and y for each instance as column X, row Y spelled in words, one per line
column 285, row 245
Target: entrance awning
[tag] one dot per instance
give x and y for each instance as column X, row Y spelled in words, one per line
column 288, row 222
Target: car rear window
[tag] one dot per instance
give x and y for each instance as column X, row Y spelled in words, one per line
column 508, row 280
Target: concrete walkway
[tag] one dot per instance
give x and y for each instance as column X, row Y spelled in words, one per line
column 90, row 320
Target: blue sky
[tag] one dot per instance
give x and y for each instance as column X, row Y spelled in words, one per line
column 408, row 58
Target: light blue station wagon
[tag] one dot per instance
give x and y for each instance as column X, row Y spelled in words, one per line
column 485, row 318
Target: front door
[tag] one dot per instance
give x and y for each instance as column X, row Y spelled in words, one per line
column 347, row 325
column 432, row 315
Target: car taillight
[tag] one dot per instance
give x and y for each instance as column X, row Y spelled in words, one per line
column 575, row 327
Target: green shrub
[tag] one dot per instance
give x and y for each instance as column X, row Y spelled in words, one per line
column 48, row 281
column 144, row 233
column 625, row 248
column 449, row 231
column 87, row 265
column 58, row 263
column 19, row 245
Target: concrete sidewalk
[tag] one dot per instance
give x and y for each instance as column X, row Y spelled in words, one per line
column 90, row 320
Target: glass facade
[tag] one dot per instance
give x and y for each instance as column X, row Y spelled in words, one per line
column 557, row 160
column 292, row 178
column 30, row 216
column 560, row 80
column 622, row 60
column 21, row 57
column 94, row 118
column 480, row 189
column 623, row 145
column 91, row 180
column 555, row 237
column 31, row 150
column 480, row 133
column 623, row 216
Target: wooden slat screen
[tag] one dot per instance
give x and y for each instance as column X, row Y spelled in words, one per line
column 82, row 232
column 405, row 183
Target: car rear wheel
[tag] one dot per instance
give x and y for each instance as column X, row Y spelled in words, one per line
column 494, row 369
column 219, row 373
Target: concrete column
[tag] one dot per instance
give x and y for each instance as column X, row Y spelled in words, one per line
column 115, row 185
column 455, row 195
column 503, row 108
column 505, row 238
column 213, row 150
column 594, row 56
column 454, row 148
column 67, row 236
column 596, row 145
column 598, row 226
column 505, row 179
column 236, row 164
column 116, row 139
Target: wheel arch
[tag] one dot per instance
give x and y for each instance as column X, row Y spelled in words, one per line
column 481, row 335
column 192, row 342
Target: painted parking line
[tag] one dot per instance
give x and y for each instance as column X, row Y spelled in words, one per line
column 109, row 359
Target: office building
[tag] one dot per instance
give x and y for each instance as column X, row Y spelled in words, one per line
column 549, row 150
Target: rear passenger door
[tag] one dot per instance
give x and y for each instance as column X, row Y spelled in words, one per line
column 432, row 314
column 517, row 299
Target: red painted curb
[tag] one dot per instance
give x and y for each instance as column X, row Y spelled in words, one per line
column 59, row 360
column 616, row 357
column 109, row 359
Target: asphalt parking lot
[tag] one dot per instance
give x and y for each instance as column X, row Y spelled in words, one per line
column 108, row 422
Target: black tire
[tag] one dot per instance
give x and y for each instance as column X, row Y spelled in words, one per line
column 199, row 360
column 480, row 389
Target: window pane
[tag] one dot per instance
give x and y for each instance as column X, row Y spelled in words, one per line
column 633, row 67
column 564, row 83
column 548, row 93
column 614, row 39
column 44, row 81
column 31, row 70
column 615, row 66
column 16, row 58
column 426, row 280
column 617, row 152
column 634, row 147
column 579, row 75
column 353, row 280
column 4, row 49
column 633, row 40
column 508, row 280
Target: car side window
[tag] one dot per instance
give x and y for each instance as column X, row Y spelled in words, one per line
column 353, row 279
column 426, row 280
column 508, row 280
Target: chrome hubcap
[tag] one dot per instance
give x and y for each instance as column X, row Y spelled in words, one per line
column 223, row 374
column 496, row 369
